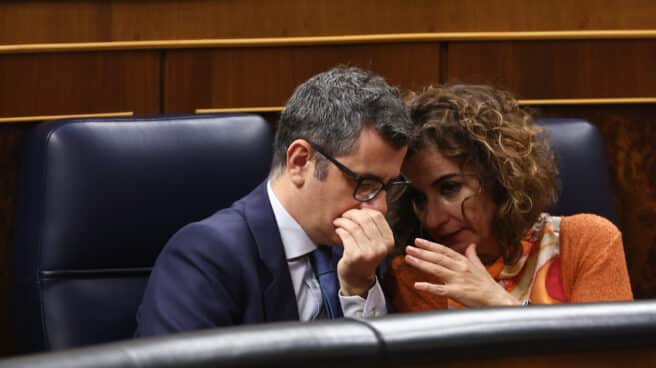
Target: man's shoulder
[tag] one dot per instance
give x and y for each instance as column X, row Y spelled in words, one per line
column 224, row 227
column 227, row 230
column 233, row 217
column 238, row 215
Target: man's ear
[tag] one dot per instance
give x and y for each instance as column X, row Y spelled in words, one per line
column 299, row 161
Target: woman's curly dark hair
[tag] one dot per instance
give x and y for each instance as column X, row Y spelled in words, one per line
column 484, row 128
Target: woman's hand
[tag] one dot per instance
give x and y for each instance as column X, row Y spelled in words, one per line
column 465, row 278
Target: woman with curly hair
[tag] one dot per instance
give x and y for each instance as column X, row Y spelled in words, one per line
column 473, row 227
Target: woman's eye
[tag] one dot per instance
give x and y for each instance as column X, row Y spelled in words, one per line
column 449, row 188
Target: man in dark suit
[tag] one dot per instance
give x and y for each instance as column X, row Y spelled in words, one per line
column 306, row 243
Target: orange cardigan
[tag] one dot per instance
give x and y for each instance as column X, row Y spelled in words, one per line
column 593, row 268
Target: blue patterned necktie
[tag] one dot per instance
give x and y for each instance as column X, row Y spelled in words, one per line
column 324, row 270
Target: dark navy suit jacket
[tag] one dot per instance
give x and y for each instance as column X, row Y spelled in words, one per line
column 228, row 269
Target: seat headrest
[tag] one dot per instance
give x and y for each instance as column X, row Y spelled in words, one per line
column 583, row 168
column 107, row 191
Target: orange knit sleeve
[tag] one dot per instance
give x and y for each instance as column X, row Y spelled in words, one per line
column 593, row 263
column 399, row 287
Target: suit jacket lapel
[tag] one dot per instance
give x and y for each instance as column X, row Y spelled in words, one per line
column 278, row 293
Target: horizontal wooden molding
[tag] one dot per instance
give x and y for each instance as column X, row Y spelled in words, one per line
column 22, row 119
column 241, row 109
column 275, row 109
column 589, row 101
column 535, row 102
column 329, row 40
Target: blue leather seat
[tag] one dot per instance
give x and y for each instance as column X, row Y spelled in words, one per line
column 585, row 183
column 98, row 200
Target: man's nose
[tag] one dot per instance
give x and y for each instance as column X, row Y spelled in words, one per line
column 379, row 202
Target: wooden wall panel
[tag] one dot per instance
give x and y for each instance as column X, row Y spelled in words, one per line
column 39, row 21
column 558, row 69
column 629, row 133
column 60, row 21
column 75, row 83
column 267, row 76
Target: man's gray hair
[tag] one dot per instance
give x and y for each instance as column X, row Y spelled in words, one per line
column 332, row 108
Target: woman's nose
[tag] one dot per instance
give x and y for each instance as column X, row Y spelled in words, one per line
column 434, row 216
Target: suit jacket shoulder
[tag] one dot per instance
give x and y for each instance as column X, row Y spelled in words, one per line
column 227, row 269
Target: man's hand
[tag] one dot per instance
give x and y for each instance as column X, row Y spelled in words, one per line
column 465, row 278
column 367, row 239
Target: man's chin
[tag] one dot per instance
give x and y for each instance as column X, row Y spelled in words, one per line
column 334, row 240
column 329, row 240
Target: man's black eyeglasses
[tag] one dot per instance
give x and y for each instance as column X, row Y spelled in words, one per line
column 368, row 186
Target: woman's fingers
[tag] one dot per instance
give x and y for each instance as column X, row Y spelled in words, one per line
column 437, row 289
column 437, row 270
column 465, row 278
column 437, row 248
column 433, row 257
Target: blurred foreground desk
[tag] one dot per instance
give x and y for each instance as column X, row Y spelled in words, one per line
column 594, row 335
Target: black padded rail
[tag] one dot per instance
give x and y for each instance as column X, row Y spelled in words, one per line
column 491, row 332
column 344, row 343
column 392, row 341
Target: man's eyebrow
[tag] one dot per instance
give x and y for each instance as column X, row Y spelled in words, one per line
column 372, row 175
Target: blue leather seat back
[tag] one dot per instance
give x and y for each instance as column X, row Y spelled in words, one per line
column 583, row 168
column 98, row 200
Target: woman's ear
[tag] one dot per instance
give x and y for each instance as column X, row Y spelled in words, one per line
column 299, row 161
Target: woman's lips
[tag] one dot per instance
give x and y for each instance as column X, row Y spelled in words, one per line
column 452, row 240
column 446, row 237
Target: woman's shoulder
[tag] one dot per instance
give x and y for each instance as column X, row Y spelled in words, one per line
column 593, row 262
column 579, row 232
column 588, row 224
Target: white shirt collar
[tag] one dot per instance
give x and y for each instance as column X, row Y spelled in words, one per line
column 294, row 239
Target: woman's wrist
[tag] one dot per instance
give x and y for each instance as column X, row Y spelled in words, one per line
column 507, row 300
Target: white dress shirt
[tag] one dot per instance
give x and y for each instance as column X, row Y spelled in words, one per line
column 298, row 246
